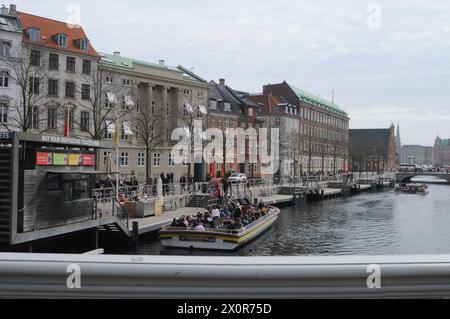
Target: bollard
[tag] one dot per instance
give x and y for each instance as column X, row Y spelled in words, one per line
column 136, row 235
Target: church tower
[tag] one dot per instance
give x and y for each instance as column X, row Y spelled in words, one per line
column 398, row 144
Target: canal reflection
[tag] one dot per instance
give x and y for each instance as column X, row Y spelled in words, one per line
column 369, row 224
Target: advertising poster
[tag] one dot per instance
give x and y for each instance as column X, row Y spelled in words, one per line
column 60, row 159
column 75, row 159
column 88, row 160
column 43, row 158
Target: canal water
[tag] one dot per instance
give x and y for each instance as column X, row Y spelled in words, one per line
column 381, row 223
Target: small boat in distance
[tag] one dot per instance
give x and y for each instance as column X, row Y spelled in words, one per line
column 223, row 236
column 412, row 189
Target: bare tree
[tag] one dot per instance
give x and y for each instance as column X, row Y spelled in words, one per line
column 187, row 116
column 102, row 102
column 29, row 71
column 149, row 131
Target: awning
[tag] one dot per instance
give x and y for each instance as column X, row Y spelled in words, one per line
column 189, row 108
column 110, row 126
column 111, row 98
column 128, row 100
column 79, row 172
column 202, row 109
column 127, row 128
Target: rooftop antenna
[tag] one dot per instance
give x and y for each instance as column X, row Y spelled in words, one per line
column 332, row 96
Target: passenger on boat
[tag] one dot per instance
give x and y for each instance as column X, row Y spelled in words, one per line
column 215, row 212
column 198, row 226
column 181, row 222
column 237, row 213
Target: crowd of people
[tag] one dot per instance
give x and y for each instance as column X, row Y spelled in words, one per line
column 231, row 216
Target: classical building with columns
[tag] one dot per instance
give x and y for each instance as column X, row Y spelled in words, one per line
column 170, row 94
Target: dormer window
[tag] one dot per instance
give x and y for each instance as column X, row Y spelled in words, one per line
column 61, row 39
column 84, row 44
column 33, row 34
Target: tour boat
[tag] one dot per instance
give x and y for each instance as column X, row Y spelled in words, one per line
column 412, row 189
column 218, row 239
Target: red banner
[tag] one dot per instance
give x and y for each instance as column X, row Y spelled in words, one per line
column 43, row 159
column 88, row 160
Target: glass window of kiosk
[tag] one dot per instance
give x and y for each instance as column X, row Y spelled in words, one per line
column 75, row 187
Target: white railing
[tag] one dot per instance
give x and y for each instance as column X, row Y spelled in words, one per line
column 85, row 276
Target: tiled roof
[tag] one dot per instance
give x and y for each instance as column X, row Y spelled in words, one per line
column 12, row 24
column 49, row 28
column 317, row 101
column 270, row 103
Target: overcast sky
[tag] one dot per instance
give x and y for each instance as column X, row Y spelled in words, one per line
column 386, row 61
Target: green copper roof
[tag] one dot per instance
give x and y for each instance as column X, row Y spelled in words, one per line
column 10, row 24
column 317, row 101
column 128, row 63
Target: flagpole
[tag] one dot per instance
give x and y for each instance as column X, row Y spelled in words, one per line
column 116, row 140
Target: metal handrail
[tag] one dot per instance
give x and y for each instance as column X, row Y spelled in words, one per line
column 103, row 276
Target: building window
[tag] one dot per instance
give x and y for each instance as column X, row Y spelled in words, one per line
column 4, row 112
column 108, row 134
column 52, row 119
column 167, row 109
column 70, row 89
column 4, row 79
column 156, row 159
column 84, row 122
column 85, row 91
column 126, row 82
column 34, row 85
column 35, row 58
column 62, row 40
column 171, row 160
column 186, row 92
column 53, row 61
column 200, row 94
column 5, row 48
column 109, row 79
column 123, row 160
column 213, row 105
column 35, row 117
column 153, row 107
column 53, row 87
column 141, row 159
column 71, row 119
column 106, row 155
column 84, row 45
column 123, row 136
column 227, row 107
column 125, row 105
column 277, row 122
column 33, row 34
column 250, row 111
column 86, row 69
column 70, row 64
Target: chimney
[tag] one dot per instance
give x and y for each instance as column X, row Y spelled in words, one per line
column 222, row 81
column 13, row 10
column 117, row 53
column 162, row 62
column 4, row 10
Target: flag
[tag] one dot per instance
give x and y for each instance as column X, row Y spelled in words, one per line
column 66, row 124
column 116, row 134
